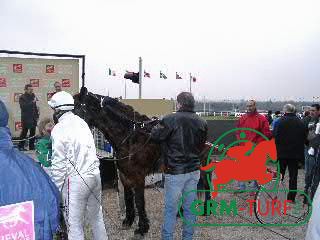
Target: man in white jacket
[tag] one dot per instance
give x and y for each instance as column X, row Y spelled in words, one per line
column 313, row 232
column 75, row 169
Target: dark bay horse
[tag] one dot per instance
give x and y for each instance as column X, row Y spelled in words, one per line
column 129, row 133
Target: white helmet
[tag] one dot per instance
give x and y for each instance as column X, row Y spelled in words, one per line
column 62, row 101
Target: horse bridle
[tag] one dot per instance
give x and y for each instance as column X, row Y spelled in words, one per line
column 135, row 123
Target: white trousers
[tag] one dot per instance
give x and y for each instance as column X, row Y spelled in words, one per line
column 80, row 204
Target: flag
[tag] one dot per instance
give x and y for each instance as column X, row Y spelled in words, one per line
column 146, row 74
column 178, row 76
column 112, row 72
column 193, row 78
column 162, row 75
column 134, row 77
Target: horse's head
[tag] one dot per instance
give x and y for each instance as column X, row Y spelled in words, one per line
column 87, row 105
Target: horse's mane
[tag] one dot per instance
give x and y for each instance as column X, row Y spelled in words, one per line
column 121, row 110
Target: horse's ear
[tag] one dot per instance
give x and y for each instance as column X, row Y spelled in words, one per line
column 83, row 93
column 109, row 101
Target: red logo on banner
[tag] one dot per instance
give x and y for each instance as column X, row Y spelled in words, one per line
column 49, row 95
column 3, row 82
column 17, row 68
column 18, row 126
column 34, row 82
column 49, row 68
column 16, row 97
column 66, row 83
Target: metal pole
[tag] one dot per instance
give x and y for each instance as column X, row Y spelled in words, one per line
column 190, row 83
column 125, row 89
column 83, row 70
column 204, row 105
column 140, row 77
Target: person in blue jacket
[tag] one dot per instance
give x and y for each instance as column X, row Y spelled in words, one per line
column 21, row 179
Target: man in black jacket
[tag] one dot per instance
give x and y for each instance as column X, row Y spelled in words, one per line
column 182, row 136
column 29, row 116
column 290, row 137
column 310, row 159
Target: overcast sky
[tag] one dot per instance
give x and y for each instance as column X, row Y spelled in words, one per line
column 236, row 48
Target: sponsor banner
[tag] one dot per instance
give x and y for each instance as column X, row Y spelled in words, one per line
column 3, row 82
column 4, row 68
column 49, row 68
column 16, row 97
column 41, row 73
column 66, row 83
column 17, row 68
column 34, row 82
column 17, row 221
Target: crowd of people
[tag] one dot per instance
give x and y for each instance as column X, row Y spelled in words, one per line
column 67, row 155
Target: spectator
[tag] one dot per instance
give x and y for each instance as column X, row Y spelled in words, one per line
column 269, row 117
column 315, row 148
column 182, row 133
column 29, row 116
column 310, row 156
column 290, row 136
column 23, row 180
column 306, row 118
column 57, row 87
column 276, row 118
column 252, row 119
column 75, row 169
column 43, row 145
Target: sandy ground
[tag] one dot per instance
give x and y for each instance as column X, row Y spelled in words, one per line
column 154, row 206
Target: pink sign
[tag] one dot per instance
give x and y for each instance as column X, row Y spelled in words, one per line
column 17, row 221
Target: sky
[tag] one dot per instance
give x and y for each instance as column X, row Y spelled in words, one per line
column 237, row 49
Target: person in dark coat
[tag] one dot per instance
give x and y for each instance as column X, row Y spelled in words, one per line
column 310, row 159
column 269, row 117
column 183, row 134
column 29, row 116
column 290, row 137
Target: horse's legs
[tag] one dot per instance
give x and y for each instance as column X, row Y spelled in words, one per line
column 130, row 211
column 140, row 204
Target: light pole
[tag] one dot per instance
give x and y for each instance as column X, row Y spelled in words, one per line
column 140, row 77
column 190, row 83
column 125, row 88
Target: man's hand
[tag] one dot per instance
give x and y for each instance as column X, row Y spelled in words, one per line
column 162, row 168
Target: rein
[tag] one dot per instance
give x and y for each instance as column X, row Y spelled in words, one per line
column 141, row 125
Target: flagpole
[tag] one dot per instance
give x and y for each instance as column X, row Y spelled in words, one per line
column 125, row 88
column 190, row 83
column 140, row 77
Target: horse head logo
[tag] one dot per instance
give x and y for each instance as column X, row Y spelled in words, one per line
column 13, row 217
column 245, row 162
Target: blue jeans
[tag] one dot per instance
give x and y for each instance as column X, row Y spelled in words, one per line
column 309, row 164
column 242, row 185
column 174, row 187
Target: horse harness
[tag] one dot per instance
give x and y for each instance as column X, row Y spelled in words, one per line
column 141, row 125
